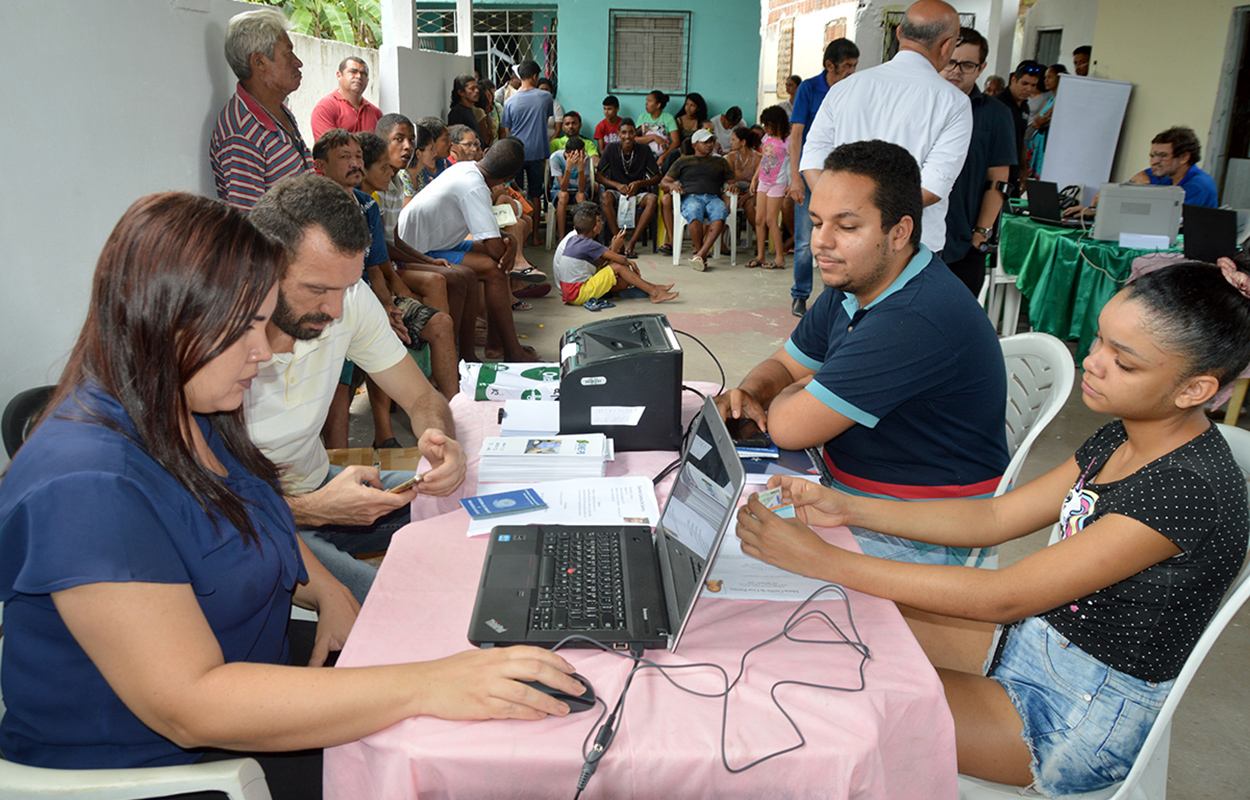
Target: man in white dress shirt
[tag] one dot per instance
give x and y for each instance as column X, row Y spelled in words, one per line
column 904, row 101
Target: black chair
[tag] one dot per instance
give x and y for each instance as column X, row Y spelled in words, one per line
column 20, row 415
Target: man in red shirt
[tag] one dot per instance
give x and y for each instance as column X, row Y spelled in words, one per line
column 346, row 107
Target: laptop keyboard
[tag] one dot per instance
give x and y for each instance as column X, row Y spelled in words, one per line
column 580, row 585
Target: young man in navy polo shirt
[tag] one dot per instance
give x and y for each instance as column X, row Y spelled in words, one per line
column 841, row 58
column 895, row 370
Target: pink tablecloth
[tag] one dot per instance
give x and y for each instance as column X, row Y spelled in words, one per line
column 895, row 739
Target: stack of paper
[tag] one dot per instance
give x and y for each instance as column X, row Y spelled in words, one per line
column 516, row 459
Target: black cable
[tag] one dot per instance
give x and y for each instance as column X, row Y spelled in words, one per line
column 685, row 438
column 710, row 353
column 608, row 730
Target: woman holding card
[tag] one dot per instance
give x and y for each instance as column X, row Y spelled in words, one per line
column 148, row 561
column 1094, row 628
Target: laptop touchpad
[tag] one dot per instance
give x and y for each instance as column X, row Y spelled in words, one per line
column 511, row 572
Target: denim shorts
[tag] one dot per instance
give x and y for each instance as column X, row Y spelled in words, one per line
column 1084, row 722
column 704, row 207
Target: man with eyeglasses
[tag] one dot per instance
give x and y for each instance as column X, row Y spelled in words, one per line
column 1020, row 87
column 906, row 102
column 975, row 199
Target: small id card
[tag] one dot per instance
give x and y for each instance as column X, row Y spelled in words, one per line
column 771, row 498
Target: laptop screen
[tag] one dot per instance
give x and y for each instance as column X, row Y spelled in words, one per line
column 702, row 495
column 699, row 509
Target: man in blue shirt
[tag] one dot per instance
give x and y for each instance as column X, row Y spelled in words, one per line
column 841, row 58
column 525, row 117
column 1174, row 157
column 895, row 372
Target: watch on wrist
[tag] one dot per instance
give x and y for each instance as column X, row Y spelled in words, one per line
column 983, row 231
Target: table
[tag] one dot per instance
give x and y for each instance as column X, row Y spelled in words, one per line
column 894, row 739
column 1066, row 276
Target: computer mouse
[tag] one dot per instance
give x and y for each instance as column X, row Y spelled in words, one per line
column 576, row 703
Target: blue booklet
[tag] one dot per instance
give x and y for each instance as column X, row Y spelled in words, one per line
column 501, row 504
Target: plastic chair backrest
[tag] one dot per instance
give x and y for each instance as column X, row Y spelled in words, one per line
column 1039, row 379
column 1040, row 374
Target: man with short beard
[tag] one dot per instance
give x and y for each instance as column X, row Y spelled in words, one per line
column 326, row 313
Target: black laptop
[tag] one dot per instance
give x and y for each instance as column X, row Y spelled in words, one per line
column 622, row 585
column 1209, row 232
column 1044, row 204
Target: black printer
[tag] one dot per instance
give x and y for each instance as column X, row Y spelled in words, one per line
column 622, row 377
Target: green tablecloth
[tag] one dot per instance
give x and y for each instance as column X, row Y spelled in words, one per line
column 1065, row 276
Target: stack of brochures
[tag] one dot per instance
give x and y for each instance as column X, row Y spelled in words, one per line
column 531, row 459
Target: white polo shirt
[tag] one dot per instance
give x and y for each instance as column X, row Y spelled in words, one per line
column 287, row 403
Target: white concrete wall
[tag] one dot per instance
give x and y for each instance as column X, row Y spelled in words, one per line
column 1076, row 18
column 121, row 99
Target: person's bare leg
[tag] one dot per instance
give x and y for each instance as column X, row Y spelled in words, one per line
column 666, row 210
column 501, row 332
column 429, row 287
column 773, row 204
column 987, row 726
column 642, row 220
column 439, row 332
column 380, row 407
column 627, row 277
column 696, row 236
column 607, row 203
column 562, row 208
column 334, row 431
column 461, row 303
column 787, row 216
column 761, row 232
column 713, row 235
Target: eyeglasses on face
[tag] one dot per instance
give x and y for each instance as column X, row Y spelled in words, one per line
column 963, row 66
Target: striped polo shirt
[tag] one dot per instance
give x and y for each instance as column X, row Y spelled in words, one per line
column 250, row 151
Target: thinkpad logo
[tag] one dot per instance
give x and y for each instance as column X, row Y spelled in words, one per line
column 495, row 626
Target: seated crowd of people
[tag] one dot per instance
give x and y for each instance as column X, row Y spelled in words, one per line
column 224, row 338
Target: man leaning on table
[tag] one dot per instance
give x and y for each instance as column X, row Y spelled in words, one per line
column 1174, row 156
column 895, row 371
column 326, row 313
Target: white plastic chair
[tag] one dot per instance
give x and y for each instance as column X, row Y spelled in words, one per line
column 238, row 778
column 1040, row 374
column 999, row 293
column 679, row 229
column 1148, row 778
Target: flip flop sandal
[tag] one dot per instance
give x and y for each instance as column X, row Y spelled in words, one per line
column 521, row 305
column 530, row 292
column 631, row 254
column 666, row 249
column 528, row 275
column 698, row 263
column 753, row 263
column 771, row 265
column 597, row 304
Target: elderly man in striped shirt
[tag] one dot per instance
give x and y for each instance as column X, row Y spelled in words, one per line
column 256, row 142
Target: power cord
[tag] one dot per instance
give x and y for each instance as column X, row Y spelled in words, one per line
column 608, row 729
column 685, row 439
column 710, row 353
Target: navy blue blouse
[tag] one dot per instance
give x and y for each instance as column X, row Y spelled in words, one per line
column 83, row 504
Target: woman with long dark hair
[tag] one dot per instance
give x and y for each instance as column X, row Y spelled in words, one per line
column 148, row 561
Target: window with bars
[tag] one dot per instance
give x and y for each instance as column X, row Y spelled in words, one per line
column 648, row 50
column 785, row 53
column 835, row 30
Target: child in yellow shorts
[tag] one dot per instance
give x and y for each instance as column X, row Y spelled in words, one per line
column 588, row 272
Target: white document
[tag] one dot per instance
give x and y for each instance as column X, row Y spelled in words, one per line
column 531, row 418
column 738, row 576
column 583, row 501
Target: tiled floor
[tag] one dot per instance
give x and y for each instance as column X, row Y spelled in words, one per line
column 743, row 315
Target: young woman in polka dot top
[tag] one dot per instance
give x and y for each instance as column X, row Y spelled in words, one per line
column 1055, row 667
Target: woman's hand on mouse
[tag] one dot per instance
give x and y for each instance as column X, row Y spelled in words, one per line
column 486, row 684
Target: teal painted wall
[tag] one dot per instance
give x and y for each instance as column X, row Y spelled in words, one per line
column 724, row 56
